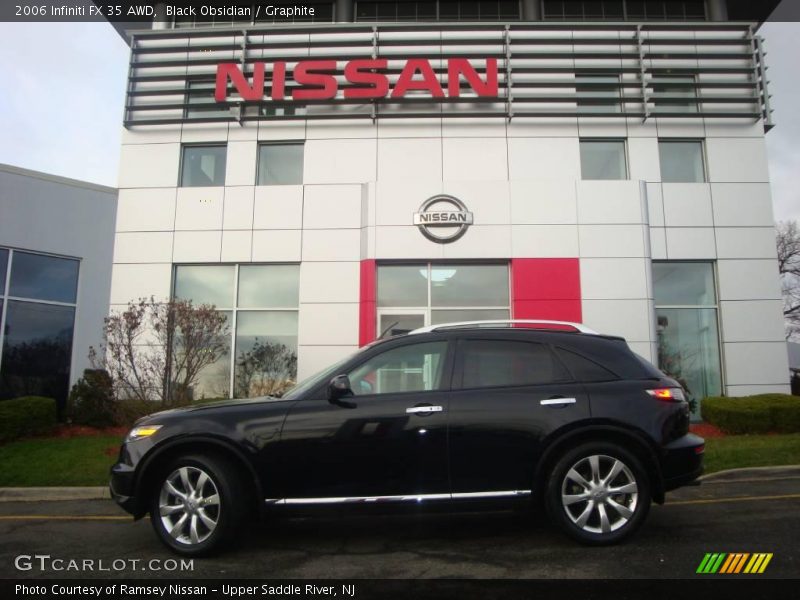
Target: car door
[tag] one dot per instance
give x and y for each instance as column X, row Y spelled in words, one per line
column 508, row 394
column 386, row 440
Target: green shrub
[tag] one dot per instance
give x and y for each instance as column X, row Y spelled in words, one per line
column 128, row 411
column 753, row 414
column 91, row 401
column 28, row 415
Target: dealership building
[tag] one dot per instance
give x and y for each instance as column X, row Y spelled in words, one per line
column 379, row 166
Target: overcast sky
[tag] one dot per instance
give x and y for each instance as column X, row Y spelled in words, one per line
column 64, row 85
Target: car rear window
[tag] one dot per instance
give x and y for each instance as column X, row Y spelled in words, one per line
column 584, row 369
column 504, row 363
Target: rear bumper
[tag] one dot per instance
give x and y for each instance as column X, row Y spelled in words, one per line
column 682, row 461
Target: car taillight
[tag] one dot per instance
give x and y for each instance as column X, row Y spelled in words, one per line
column 668, row 394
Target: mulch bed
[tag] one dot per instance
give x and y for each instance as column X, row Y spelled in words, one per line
column 706, row 430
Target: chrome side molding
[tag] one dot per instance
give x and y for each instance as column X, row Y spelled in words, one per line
column 399, row 498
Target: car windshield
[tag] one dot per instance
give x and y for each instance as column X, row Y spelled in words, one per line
column 308, row 383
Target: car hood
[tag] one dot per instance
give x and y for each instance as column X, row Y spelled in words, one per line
column 210, row 406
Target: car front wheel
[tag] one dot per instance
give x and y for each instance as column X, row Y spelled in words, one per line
column 598, row 493
column 197, row 504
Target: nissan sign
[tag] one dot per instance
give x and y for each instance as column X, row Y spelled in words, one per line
column 443, row 218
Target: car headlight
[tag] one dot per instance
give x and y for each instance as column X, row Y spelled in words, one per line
column 141, row 432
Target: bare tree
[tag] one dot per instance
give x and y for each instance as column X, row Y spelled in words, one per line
column 267, row 369
column 788, row 242
column 157, row 350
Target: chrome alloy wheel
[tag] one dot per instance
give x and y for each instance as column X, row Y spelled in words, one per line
column 599, row 494
column 189, row 505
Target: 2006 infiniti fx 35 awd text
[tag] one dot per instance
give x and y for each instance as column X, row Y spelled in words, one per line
column 548, row 414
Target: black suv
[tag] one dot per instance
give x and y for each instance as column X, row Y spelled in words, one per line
column 493, row 412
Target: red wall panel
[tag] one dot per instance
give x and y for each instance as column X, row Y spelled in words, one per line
column 546, row 288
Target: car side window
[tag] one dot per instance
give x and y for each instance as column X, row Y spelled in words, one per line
column 411, row 368
column 502, row 363
column 584, row 369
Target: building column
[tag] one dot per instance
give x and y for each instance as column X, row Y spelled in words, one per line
column 344, row 11
column 717, row 10
column 531, row 10
column 161, row 21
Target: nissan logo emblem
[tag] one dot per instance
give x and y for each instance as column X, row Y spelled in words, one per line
column 443, row 218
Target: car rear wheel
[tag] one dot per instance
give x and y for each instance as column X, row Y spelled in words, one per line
column 197, row 504
column 598, row 493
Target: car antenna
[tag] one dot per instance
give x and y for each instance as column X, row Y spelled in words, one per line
column 388, row 329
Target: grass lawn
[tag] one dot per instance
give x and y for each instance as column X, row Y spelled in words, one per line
column 736, row 451
column 72, row 461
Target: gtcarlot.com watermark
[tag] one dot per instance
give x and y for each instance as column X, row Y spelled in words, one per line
column 46, row 562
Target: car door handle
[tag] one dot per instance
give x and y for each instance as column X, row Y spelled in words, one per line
column 423, row 409
column 557, row 401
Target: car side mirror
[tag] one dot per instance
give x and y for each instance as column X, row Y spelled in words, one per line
column 339, row 388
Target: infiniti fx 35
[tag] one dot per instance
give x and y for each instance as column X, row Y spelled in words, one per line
column 570, row 422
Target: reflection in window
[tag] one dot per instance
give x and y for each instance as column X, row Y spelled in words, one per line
column 38, row 309
column 203, row 166
column 681, row 161
column 688, row 335
column 414, row 368
column 493, row 363
column 603, row 159
column 37, row 350
column 3, row 267
column 41, row 277
column 206, row 284
column 401, row 285
column 263, row 320
column 280, row 164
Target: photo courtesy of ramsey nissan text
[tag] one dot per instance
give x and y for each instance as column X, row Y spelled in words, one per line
column 399, row 298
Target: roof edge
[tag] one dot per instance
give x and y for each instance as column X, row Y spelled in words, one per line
column 95, row 187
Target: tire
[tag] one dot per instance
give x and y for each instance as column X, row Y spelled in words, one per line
column 580, row 498
column 203, row 520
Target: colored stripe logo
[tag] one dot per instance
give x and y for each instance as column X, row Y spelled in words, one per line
column 734, row 563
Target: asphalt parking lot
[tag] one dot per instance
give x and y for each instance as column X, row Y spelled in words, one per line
column 753, row 512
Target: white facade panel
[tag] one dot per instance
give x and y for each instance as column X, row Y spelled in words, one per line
column 332, row 207
column 326, row 324
column 237, row 246
column 332, row 245
column 612, row 241
column 237, row 212
column 278, row 207
column 748, row 280
column 138, row 247
column 340, row 161
column 197, row 246
column 687, row 205
column 149, row 165
column 753, row 321
column 544, row 158
column 403, row 159
column 332, row 282
column 686, row 243
column 746, row 242
column 544, row 241
column 146, row 209
column 742, row 204
column 627, row 318
column 545, row 201
column 133, row 281
column 474, row 159
column 609, row 202
column 199, row 208
column 738, row 160
column 277, row 245
column 240, row 164
column 762, row 363
column 643, row 159
column 613, row 278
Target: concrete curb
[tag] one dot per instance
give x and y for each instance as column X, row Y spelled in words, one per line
column 746, row 473
column 37, row 494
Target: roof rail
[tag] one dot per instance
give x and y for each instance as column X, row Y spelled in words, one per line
column 580, row 327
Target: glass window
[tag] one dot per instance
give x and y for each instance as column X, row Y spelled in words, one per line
column 37, row 350
column 269, row 286
column 688, row 349
column 203, row 166
column 495, row 363
column 441, row 317
column 688, row 336
column 598, row 93
column 584, row 369
column 412, row 368
column 684, row 284
column 3, row 269
column 214, row 381
column 266, row 352
column 603, row 159
column 683, row 91
column 200, row 101
column 205, row 284
column 280, row 164
column 469, row 285
column 43, row 277
column 681, row 161
column 403, row 285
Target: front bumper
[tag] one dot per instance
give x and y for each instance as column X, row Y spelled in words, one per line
column 682, row 461
column 121, row 486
